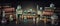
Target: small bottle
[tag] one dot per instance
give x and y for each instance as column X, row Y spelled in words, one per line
column 34, row 20
column 3, row 18
column 3, row 13
column 11, row 19
column 52, row 5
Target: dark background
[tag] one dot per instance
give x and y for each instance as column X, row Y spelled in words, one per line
column 40, row 2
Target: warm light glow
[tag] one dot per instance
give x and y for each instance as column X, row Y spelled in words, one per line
column 47, row 13
column 9, row 9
